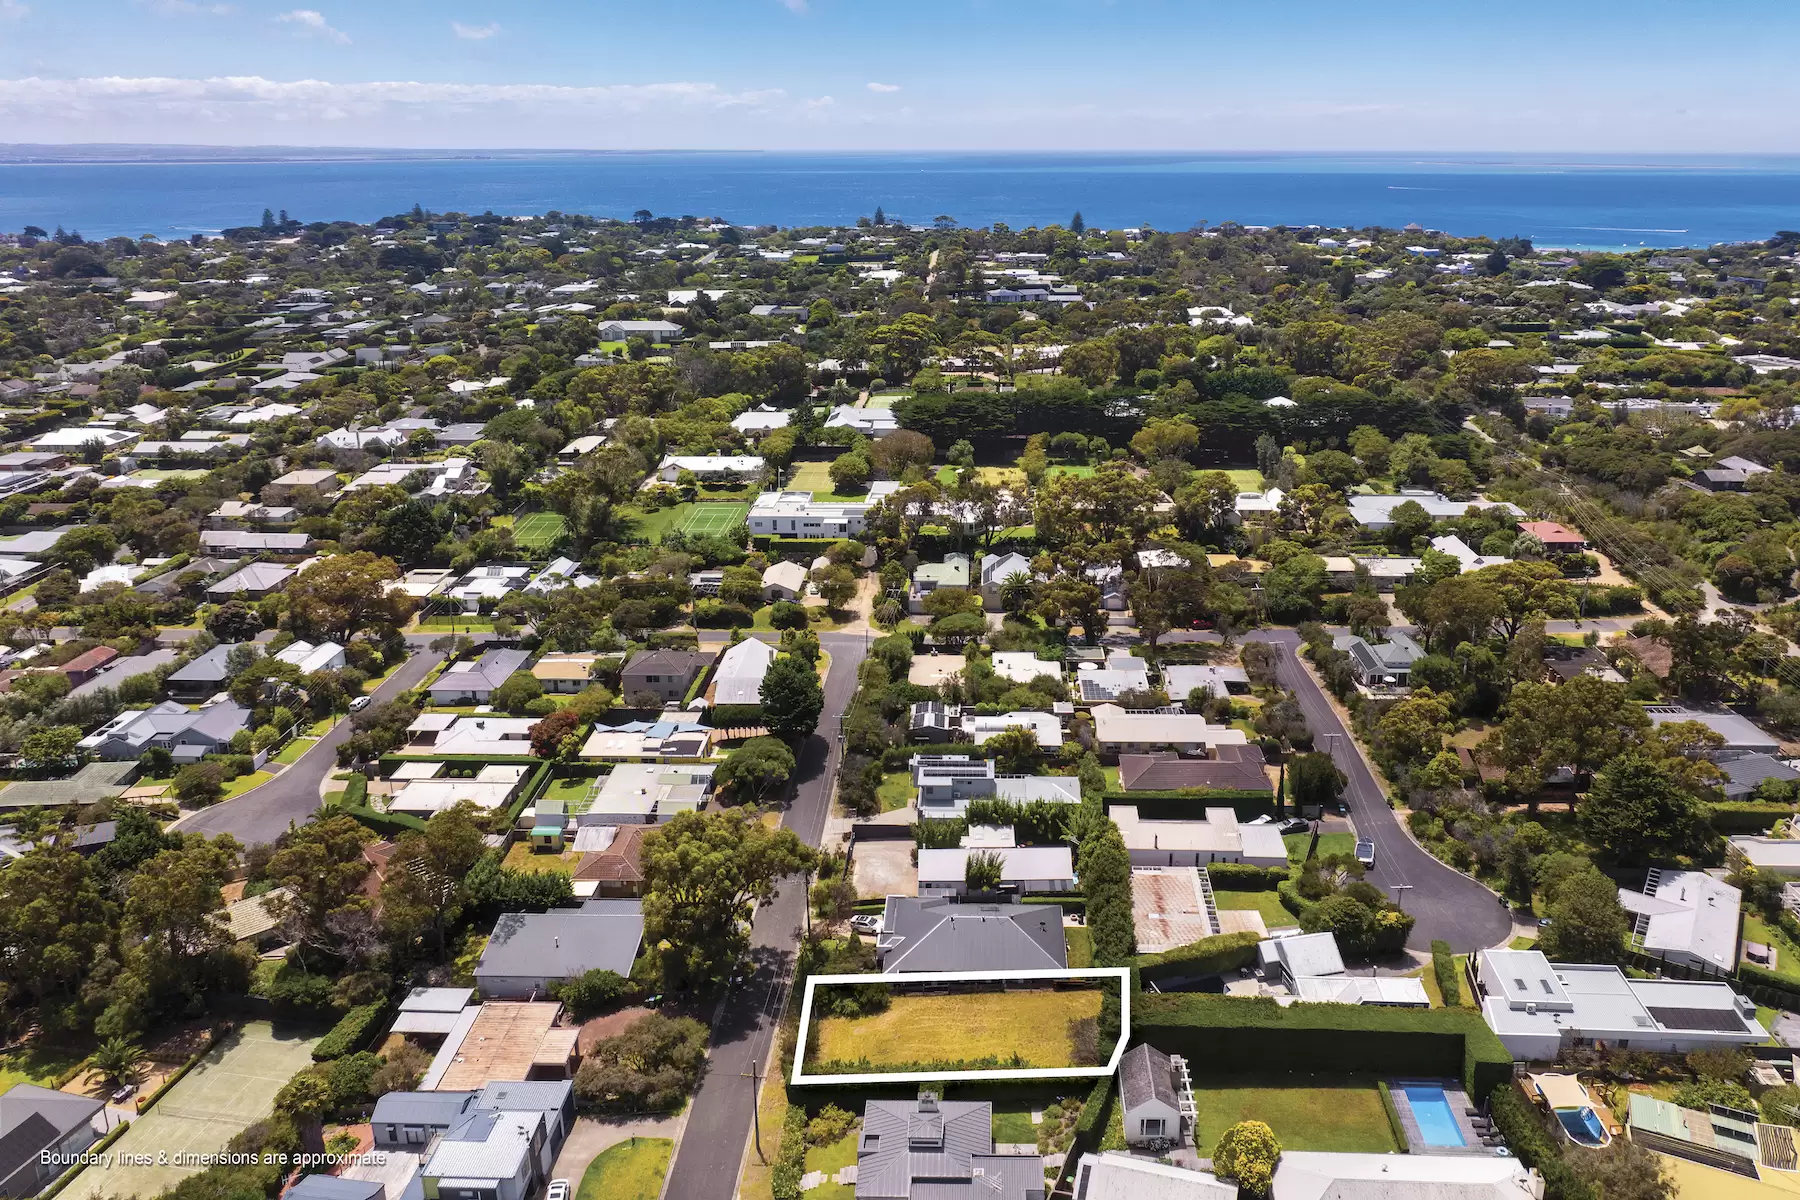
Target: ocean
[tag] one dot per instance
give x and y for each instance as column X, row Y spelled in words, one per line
column 1593, row 202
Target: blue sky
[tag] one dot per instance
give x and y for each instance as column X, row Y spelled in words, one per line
column 1671, row 76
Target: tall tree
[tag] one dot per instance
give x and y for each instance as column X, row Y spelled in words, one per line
column 791, row 697
column 703, row 873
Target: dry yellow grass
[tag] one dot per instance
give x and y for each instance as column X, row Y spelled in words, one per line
column 1033, row 1025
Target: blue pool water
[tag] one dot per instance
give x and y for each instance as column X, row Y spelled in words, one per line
column 1437, row 1124
column 1582, row 1126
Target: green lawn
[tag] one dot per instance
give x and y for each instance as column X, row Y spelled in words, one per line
column 647, row 527
column 896, row 790
column 1014, row 1104
column 923, row 1028
column 458, row 623
column 829, row 1160
column 1521, row 943
column 1343, row 1115
column 815, row 477
column 540, row 530
column 631, row 1170
column 1246, row 479
column 1265, row 902
column 291, row 752
column 570, row 790
column 244, row 783
column 1329, row 843
column 1787, row 955
column 43, row 1065
column 1080, row 942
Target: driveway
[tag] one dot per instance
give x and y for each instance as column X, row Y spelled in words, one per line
column 1448, row 904
column 718, row 1124
column 593, row 1136
column 292, row 797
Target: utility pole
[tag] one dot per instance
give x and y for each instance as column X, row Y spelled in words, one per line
column 755, row 1112
column 1400, row 890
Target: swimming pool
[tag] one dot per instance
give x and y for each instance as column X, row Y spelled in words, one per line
column 1432, row 1113
column 1582, row 1125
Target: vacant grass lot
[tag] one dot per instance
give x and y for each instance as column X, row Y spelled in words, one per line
column 1343, row 1115
column 1787, row 955
column 631, row 1170
column 914, row 1029
column 1329, row 843
column 521, row 857
column 828, row 1161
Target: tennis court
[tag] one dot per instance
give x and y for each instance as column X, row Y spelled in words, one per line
column 715, row 518
column 539, row 530
column 234, row 1085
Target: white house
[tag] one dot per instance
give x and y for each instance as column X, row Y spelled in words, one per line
column 1537, row 1008
column 1120, row 732
column 1377, row 512
column 1023, row 666
column 739, row 675
column 1046, row 727
column 760, row 421
column 784, row 581
column 732, row 467
column 798, row 515
column 325, row 656
column 1325, row 1175
column 1219, row 838
column 1023, row 869
column 872, row 422
column 1687, row 917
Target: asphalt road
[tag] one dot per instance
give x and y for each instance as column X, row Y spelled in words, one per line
column 292, row 797
column 1448, row 905
column 718, row 1127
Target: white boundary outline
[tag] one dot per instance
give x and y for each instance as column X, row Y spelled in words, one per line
column 1120, row 974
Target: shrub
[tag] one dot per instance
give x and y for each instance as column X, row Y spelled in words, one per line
column 790, row 1163
column 591, row 992
column 718, row 614
column 788, row 615
column 829, row 1126
column 1247, row 1153
column 1535, row 1146
column 1443, row 967
column 1245, row 877
column 1197, row 960
column 650, row 1067
column 352, row 1032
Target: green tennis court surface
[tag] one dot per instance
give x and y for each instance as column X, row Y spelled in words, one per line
column 715, row 518
column 232, row 1086
column 539, row 531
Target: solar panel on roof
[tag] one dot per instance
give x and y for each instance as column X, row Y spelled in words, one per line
column 1718, row 1020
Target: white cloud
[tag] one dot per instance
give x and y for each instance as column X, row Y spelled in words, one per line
column 795, row 6
column 475, row 33
column 311, row 20
column 13, row 10
column 884, row 87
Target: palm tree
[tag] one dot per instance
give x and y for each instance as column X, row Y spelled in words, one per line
column 1016, row 592
column 117, row 1060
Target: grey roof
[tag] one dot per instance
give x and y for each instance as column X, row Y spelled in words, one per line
column 668, row 662
column 937, row 935
column 1739, row 732
column 333, row 1187
column 422, row 1108
column 64, row 1111
column 165, row 582
column 905, row 1153
column 208, row 668
column 20, row 1147
column 220, row 721
column 248, row 539
column 121, row 669
column 437, row 999
column 547, row 1095
column 491, row 669
column 1744, row 773
column 1145, row 1074
column 257, row 577
column 562, row 943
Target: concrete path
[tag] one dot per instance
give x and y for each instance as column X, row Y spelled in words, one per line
column 593, row 1136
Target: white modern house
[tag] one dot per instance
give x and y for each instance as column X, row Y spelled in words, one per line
column 1686, row 917
column 947, row 782
column 1121, row 732
column 1219, row 838
column 798, row 515
column 727, row 467
column 1537, row 1007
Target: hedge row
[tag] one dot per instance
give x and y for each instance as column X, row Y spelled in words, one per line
column 1232, row 1033
column 1246, row 877
column 147, row 1102
column 388, row 825
column 790, row 1162
column 356, row 791
column 1757, row 976
column 1747, row 817
column 1443, row 967
column 1393, row 1116
column 726, row 716
column 1199, row 960
column 354, row 1030
column 68, row 1176
column 1535, row 1146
